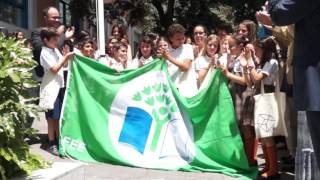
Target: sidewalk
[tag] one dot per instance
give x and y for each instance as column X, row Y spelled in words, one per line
column 113, row 172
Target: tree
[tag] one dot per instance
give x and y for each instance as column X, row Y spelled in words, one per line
column 158, row 15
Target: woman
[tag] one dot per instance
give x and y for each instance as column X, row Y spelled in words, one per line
column 199, row 36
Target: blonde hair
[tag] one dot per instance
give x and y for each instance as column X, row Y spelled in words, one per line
column 212, row 37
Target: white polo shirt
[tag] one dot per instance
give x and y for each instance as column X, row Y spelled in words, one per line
column 186, row 82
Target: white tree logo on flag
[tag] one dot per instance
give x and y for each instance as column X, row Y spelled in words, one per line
column 147, row 126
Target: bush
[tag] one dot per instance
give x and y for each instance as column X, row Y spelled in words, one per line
column 16, row 107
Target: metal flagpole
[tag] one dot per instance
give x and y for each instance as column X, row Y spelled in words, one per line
column 100, row 28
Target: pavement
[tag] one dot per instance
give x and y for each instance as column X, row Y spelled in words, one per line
column 99, row 171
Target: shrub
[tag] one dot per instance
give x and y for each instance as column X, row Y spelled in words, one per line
column 16, row 107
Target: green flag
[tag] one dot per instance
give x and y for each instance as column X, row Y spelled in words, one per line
column 137, row 118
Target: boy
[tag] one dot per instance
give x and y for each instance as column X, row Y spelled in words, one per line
column 51, row 88
column 180, row 61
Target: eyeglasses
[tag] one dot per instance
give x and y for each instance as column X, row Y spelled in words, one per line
column 199, row 33
column 56, row 17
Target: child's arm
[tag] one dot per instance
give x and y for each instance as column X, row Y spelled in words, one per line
column 242, row 80
column 183, row 65
column 64, row 61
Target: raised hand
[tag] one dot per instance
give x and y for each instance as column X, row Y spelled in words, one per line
column 70, row 32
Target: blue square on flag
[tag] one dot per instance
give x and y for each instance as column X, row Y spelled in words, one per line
column 136, row 128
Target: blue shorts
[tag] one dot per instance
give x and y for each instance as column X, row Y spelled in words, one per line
column 54, row 113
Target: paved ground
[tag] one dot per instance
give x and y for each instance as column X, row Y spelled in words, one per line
column 112, row 172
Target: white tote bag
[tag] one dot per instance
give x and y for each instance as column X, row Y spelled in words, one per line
column 269, row 112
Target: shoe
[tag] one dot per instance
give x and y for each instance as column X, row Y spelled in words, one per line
column 273, row 177
column 54, row 150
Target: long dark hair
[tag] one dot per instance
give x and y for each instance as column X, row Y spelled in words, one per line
column 269, row 47
column 147, row 40
column 252, row 30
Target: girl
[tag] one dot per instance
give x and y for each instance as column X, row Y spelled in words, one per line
column 162, row 46
column 146, row 51
column 199, row 36
column 119, row 32
column 179, row 58
column 240, row 87
column 208, row 58
column 86, row 48
column 51, row 88
column 248, row 29
column 267, row 71
column 119, row 62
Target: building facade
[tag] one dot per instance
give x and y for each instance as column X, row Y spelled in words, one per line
column 25, row 15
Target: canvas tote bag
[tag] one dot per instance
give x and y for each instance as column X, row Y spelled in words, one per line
column 269, row 113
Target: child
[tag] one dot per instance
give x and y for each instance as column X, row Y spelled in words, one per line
column 51, row 88
column 179, row 59
column 144, row 56
column 86, row 48
column 242, row 93
column 208, row 58
column 268, row 72
column 162, row 46
column 119, row 62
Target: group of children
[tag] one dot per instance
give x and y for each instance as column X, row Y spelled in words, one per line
column 243, row 59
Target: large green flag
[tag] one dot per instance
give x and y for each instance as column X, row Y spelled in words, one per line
column 137, row 118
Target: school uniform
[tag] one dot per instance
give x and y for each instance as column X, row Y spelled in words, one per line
column 51, row 88
column 139, row 62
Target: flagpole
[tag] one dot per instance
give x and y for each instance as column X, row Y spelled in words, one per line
column 100, row 27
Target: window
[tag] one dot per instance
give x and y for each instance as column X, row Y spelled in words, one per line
column 14, row 12
column 65, row 11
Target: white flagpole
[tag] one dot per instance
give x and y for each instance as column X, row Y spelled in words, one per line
column 100, row 28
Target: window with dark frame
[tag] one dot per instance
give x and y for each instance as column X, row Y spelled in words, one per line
column 64, row 9
column 14, row 12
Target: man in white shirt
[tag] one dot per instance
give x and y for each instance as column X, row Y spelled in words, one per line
column 179, row 58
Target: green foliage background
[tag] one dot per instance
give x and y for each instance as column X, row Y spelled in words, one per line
column 157, row 15
column 16, row 107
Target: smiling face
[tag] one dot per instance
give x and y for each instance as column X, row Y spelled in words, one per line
column 121, row 54
column 212, row 47
column 145, row 49
column 88, row 49
column 199, row 36
column 177, row 40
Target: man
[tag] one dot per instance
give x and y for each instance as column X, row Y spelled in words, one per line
column 306, row 59
column 52, row 19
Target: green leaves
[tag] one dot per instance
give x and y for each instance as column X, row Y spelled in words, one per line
column 16, row 109
column 137, row 97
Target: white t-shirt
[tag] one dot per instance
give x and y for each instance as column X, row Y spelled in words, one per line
column 270, row 69
column 202, row 63
column 186, row 82
column 51, row 83
column 49, row 58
